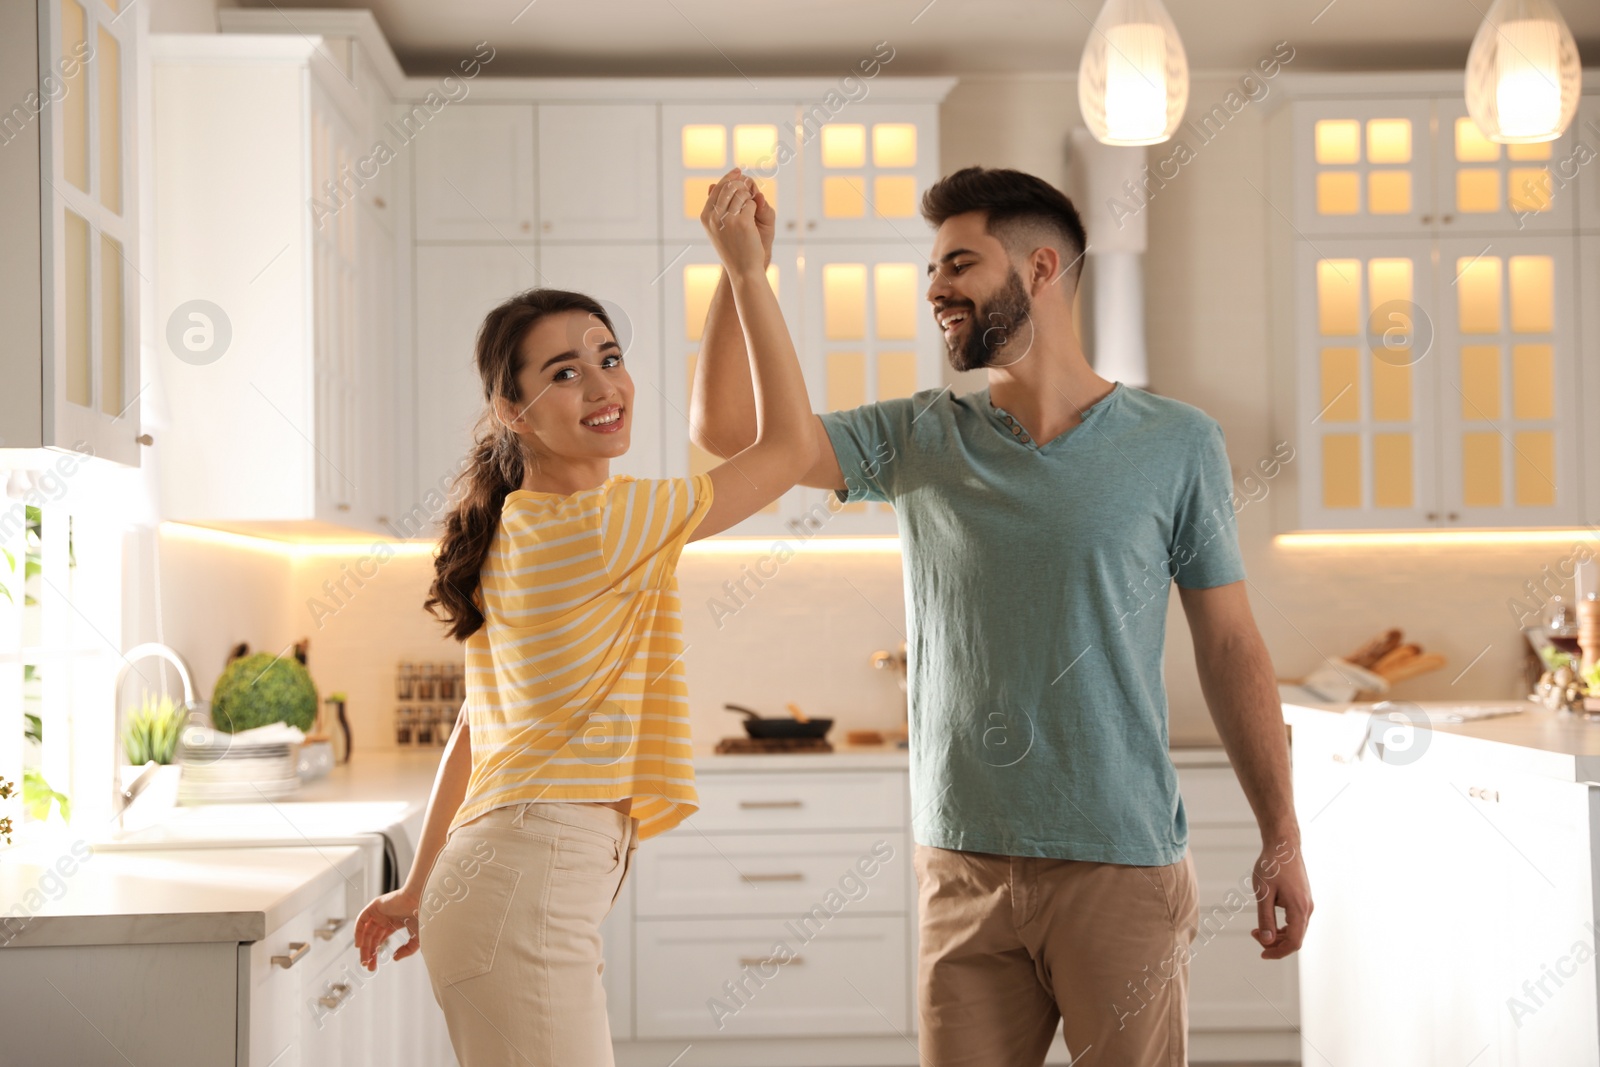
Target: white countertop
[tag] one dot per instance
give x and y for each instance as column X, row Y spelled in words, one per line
column 1546, row 743
column 50, row 895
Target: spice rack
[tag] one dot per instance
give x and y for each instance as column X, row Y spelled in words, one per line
column 428, row 700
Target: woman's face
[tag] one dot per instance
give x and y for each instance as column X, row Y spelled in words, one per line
column 577, row 397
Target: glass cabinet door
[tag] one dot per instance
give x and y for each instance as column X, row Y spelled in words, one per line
column 87, row 157
column 1508, row 366
column 688, row 279
column 1483, row 186
column 1366, row 387
column 866, row 170
column 700, row 143
column 870, row 337
column 1363, row 166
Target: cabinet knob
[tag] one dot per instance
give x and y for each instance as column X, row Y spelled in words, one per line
column 342, row 507
column 145, row 439
column 378, row 201
column 811, row 224
column 548, row 225
column 1426, row 220
column 1447, row 219
column 789, row 225
column 526, row 226
column 1453, row 516
column 1433, row 516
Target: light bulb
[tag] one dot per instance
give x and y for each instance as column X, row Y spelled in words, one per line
column 1523, row 76
column 1133, row 79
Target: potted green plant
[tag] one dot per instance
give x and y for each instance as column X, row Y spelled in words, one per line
column 259, row 688
column 151, row 736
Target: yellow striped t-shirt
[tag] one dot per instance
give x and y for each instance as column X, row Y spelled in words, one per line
column 575, row 682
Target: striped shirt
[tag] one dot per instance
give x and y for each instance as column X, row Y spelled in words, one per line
column 575, row 682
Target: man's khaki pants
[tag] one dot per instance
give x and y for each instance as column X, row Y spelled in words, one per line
column 510, row 930
column 1013, row 945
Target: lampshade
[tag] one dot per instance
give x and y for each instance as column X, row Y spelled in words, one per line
column 1133, row 79
column 1523, row 76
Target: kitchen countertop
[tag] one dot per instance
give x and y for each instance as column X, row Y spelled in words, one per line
column 1545, row 743
column 161, row 896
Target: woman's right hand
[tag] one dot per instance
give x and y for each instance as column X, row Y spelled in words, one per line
column 382, row 917
column 730, row 219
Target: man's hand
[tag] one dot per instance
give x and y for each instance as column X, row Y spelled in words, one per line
column 766, row 214
column 1280, row 882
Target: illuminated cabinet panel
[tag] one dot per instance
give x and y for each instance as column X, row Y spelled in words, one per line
column 688, row 279
column 700, row 142
column 1507, row 358
column 866, row 168
column 1362, row 166
column 1366, row 398
column 70, row 220
column 1487, row 187
column 875, row 341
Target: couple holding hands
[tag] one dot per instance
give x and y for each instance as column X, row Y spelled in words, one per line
column 1042, row 519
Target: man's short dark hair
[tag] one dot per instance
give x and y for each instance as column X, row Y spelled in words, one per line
column 1022, row 212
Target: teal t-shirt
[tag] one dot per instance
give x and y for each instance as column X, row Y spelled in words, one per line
column 1037, row 582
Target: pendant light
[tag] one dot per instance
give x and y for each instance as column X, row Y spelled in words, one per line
column 1133, row 79
column 1523, row 76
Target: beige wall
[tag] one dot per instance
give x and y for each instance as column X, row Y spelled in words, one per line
column 808, row 634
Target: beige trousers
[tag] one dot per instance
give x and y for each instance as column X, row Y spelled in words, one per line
column 1013, row 945
column 510, row 930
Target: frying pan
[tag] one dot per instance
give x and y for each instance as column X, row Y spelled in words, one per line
column 756, row 726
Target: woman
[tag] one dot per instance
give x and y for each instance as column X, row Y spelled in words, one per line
column 559, row 577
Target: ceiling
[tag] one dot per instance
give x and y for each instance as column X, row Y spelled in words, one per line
column 611, row 38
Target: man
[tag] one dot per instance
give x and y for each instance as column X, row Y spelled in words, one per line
column 1042, row 520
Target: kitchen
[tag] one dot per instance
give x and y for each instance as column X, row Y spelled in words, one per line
column 249, row 248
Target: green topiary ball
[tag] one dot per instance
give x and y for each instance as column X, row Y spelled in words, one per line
column 261, row 688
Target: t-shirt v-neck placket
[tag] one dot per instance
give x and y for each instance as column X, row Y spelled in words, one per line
column 1021, row 436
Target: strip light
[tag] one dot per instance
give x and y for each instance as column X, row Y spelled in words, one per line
column 1434, row 538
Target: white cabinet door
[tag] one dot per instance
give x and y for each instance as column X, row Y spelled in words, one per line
column 1506, row 353
column 690, row 274
column 1589, row 367
column 599, row 172
column 700, row 142
column 866, row 169
column 1582, row 161
column 1484, row 187
column 868, row 335
column 380, row 366
column 84, row 394
column 456, row 285
column 1366, row 351
column 474, row 174
column 625, row 278
column 1363, row 166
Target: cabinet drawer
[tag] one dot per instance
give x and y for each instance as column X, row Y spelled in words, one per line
column 332, row 923
column 781, row 875
column 1212, row 795
column 275, row 989
column 705, row 978
column 801, row 801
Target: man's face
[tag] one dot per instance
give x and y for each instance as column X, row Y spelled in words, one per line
column 979, row 302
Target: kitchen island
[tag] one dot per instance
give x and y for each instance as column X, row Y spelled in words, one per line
column 1452, row 869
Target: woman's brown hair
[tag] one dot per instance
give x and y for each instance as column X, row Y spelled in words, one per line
column 496, row 462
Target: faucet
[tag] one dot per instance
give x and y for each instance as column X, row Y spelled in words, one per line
column 122, row 796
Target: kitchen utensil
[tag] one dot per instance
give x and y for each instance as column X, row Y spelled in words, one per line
column 798, row 715
column 757, row 726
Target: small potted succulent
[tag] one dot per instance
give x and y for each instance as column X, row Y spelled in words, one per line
column 151, row 736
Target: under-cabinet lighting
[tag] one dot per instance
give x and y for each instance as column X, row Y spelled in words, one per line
column 1432, row 538
column 745, row 546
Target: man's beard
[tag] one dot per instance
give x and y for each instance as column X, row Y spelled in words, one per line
column 991, row 328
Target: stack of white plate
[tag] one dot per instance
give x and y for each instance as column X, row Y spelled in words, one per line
column 257, row 764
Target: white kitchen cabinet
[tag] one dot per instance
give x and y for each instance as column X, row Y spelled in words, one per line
column 68, row 183
column 380, row 364
column 689, row 276
column 869, row 336
column 701, row 141
column 597, row 172
column 1589, row 368
column 625, row 279
column 1509, row 410
column 866, row 169
column 272, row 418
column 456, row 286
column 1577, row 169
column 1427, row 309
column 474, row 174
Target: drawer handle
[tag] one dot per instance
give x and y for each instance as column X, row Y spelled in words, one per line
column 335, row 996
column 296, row 950
column 756, row 961
column 329, row 928
column 1478, row 792
column 787, row 876
column 748, row 804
